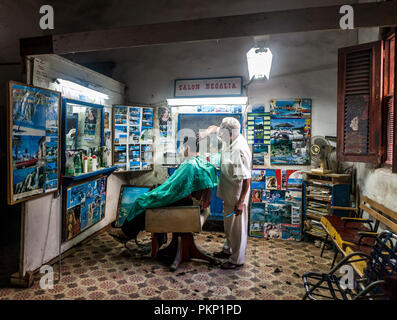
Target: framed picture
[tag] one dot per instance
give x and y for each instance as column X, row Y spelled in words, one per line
column 83, row 206
column 128, row 194
column 33, row 141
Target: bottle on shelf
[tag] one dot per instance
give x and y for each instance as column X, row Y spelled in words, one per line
column 77, row 164
column 94, row 163
column 85, row 164
column 89, row 164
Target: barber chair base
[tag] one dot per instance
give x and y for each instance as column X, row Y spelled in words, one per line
column 182, row 248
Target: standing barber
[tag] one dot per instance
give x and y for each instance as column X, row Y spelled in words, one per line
column 233, row 189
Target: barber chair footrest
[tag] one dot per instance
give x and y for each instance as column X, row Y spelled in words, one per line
column 183, row 248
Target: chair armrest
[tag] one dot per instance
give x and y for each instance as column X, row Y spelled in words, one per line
column 346, row 260
column 368, row 234
column 344, row 208
column 364, row 234
column 348, row 219
column 353, row 219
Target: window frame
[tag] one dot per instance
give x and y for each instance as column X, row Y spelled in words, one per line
column 387, row 36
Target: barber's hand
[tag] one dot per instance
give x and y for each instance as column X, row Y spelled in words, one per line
column 200, row 135
column 238, row 209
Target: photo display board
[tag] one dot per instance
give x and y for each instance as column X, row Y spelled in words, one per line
column 290, row 131
column 276, row 204
column 84, row 206
column 133, row 138
column 258, row 135
column 33, row 142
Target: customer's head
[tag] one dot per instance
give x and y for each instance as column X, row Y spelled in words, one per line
column 230, row 128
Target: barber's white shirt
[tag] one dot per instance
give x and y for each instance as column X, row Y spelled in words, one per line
column 235, row 167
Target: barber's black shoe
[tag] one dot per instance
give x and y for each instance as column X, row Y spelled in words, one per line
column 222, row 255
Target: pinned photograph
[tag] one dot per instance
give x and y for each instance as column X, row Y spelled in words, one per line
column 73, row 223
column 289, row 144
column 294, row 108
column 256, row 195
column 275, row 196
column 272, row 230
column 278, row 213
column 290, row 232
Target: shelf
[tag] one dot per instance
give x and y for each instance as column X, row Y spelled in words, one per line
column 332, row 178
column 67, row 180
column 319, row 199
column 320, row 183
column 311, row 216
column 133, row 171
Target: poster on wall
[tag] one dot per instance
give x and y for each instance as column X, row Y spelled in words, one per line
column 165, row 124
column 33, row 141
column 133, row 138
column 276, row 201
column 289, row 141
column 272, row 230
column 90, row 124
column 290, row 131
column 84, row 206
column 261, row 156
column 293, row 108
column 257, row 219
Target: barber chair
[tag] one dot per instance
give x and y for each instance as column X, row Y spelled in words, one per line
column 182, row 222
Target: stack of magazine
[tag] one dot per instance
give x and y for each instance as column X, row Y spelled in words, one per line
column 319, row 193
column 317, row 209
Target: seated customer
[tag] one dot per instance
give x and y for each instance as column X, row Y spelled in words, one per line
column 181, row 189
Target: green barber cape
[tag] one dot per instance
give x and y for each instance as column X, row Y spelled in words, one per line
column 192, row 175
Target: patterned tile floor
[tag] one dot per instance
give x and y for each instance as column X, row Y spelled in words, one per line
column 103, row 269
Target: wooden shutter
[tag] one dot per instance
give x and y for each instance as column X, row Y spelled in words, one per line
column 359, row 103
column 389, row 127
column 388, row 96
column 394, row 166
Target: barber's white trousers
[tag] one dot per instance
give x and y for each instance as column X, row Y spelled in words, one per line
column 236, row 233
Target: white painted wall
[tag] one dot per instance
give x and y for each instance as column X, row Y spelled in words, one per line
column 42, row 217
column 378, row 184
column 304, row 65
column 42, row 228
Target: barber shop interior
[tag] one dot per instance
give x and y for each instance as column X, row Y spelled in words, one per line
column 198, row 150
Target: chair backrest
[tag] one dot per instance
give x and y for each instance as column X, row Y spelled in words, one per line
column 380, row 213
column 383, row 258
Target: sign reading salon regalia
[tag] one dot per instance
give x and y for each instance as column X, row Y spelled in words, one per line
column 208, row 87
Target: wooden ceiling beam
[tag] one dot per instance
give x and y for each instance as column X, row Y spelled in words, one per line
column 377, row 14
